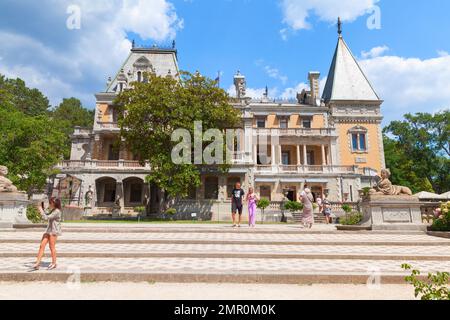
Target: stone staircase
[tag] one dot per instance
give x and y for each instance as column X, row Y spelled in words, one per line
column 318, row 218
column 220, row 253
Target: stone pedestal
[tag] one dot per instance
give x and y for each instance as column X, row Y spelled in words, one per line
column 13, row 209
column 393, row 213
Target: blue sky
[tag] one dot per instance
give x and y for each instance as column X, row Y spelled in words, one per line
column 272, row 42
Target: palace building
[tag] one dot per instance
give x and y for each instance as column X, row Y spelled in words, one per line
column 331, row 142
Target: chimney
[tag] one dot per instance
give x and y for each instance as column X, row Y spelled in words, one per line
column 314, row 83
column 240, row 85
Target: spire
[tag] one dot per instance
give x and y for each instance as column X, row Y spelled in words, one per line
column 346, row 81
column 339, row 24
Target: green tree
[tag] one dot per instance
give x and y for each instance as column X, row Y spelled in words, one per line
column 155, row 108
column 29, row 147
column 418, row 151
column 70, row 114
column 29, row 101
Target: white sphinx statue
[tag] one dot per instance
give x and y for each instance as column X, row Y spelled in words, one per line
column 13, row 204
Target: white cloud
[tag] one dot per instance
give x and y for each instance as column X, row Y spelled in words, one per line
column 75, row 61
column 374, row 52
column 297, row 12
column 409, row 85
column 254, row 93
column 291, row 93
column 272, row 72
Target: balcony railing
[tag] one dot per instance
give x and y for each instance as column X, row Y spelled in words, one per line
column 269, row 169
column 324, row 132
column 102, row 164
column 107, row 126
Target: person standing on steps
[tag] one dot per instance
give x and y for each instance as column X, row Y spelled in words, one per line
column 237, row 197
column 307, row 200
column 53, row 215
column 252, row 198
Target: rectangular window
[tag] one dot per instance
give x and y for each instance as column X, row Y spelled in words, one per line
column 283, row 123
column 306, row 123
column 285, row 158
column 355, row 142
column 310, row 158
column 211, row 188
column 362, row 142
column 261, row 123
column 265, row 192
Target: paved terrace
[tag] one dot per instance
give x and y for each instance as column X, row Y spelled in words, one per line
column 283, row 254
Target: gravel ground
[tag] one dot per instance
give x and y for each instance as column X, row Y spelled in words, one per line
column 199, row 291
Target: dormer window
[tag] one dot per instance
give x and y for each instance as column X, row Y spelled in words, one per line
column 358, row 137
column 307, row 122
column 261, row 123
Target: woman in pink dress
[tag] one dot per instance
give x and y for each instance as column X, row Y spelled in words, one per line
column 307, row 200
column 252, row 198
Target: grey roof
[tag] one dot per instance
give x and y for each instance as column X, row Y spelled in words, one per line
column 160, row 61
column 346, row 80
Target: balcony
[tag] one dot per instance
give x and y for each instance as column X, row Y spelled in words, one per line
column 301, row 169
column 107, row 126
column 305, row 132
column 121, row 165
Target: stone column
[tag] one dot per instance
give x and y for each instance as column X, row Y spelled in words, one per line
column 324, row 159
column 280, row 157
column 255, row 154
column 273, row 155
column 305, row 158
column 298, row 156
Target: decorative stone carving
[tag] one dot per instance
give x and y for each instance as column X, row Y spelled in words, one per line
column 5, row 184
column 241, row 85
column 385, row 186
column 13, row 204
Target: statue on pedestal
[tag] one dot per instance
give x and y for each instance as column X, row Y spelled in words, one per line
column 88, row 197
column 386, row 188
column 5, row 184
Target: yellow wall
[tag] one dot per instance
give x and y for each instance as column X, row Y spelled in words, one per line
column 373, row 156
column 103, row 108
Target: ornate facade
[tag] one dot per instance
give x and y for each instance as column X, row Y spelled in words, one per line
column 333, row 143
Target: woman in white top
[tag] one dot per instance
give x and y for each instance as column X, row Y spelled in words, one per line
column 53, row 216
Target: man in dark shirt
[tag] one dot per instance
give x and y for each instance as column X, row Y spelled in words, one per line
column 237, row 198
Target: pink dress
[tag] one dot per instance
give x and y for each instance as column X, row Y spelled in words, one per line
column 252, row 210
column 308, row 216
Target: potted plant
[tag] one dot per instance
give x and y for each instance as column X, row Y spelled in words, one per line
column 263, row 204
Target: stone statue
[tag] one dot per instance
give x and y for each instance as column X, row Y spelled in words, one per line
column 5, row 184
column 386, row 188
column 88, row 197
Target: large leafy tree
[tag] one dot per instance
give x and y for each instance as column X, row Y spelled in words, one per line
column 29, row 147
column 70, row 114
column 418, row 151
column 155, row 108
column 30, row 101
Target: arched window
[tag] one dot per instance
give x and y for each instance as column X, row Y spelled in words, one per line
column 358, row 139
column 139, row 76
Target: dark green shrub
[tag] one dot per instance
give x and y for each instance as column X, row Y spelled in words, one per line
column 293, row 206
column 351, row 219
column 33, row 214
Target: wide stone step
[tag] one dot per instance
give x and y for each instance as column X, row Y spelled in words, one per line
column 245, row 270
